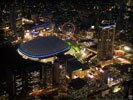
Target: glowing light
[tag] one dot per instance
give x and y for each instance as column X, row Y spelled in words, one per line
column 91, row 76
column 35, row 32
column 75, row 76
column 109, row 26
column 68, row 42
column 92, row 27
column 74, row 46
column 60, row 66
column 6, row 28
column 28, row 30
column 96, row 68
column 101, row 70
column 40, row 25
column 44, row 30
column 84, row 54
column 47, row 28
column 116, row 89
column 68, row 38
column 27, row 34
column 127, row 48
column 67, row 77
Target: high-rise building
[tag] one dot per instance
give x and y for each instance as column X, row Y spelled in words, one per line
column 32, row 78
column 106, row 41
column 60, row 71
column 23, row 80
column 16, row 85
column 15, row 18
column 48, row 75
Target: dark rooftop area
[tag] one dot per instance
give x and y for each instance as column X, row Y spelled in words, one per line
column 42, row 47
column 77, row 83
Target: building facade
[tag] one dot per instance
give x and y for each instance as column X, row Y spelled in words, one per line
column 32, row 79
column 15, row 19
column 48, row 75
column 60, row 71
column 16, row 84
column 106, row 41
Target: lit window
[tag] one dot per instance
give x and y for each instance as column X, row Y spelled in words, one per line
column 60, row 66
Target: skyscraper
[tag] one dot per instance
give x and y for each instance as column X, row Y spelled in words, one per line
column 32, row 78
column 60, row 71
column 48, row 75
column 15, row 18
column 15, row 81
column 106, row 40
column 12, row 19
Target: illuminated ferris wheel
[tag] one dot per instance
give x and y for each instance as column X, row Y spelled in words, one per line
column 68, row 28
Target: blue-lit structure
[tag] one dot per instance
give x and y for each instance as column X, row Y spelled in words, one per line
column 35, row 32
column 107, row 26
column 43, row 47
column 41, row 25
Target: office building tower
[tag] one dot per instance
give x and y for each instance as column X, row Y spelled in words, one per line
column 48, row 75
column 16, row 85
column 60, row 71
column 32, row 78
column 106, row 41
column 15, row 19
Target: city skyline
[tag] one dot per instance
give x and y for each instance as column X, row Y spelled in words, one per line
column 68, row 50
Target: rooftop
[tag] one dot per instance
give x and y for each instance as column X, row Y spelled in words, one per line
column 77, row 83
column 43, row 47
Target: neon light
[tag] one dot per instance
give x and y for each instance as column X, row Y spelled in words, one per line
column 76, row 48
column 40, row 25
column 35, row 32
column 68, row 38
column 104, row 27
column 43, row 56
column 73, row 46
column 68, row 42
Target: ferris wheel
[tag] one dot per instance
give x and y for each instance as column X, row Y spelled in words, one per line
column 68, row 28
